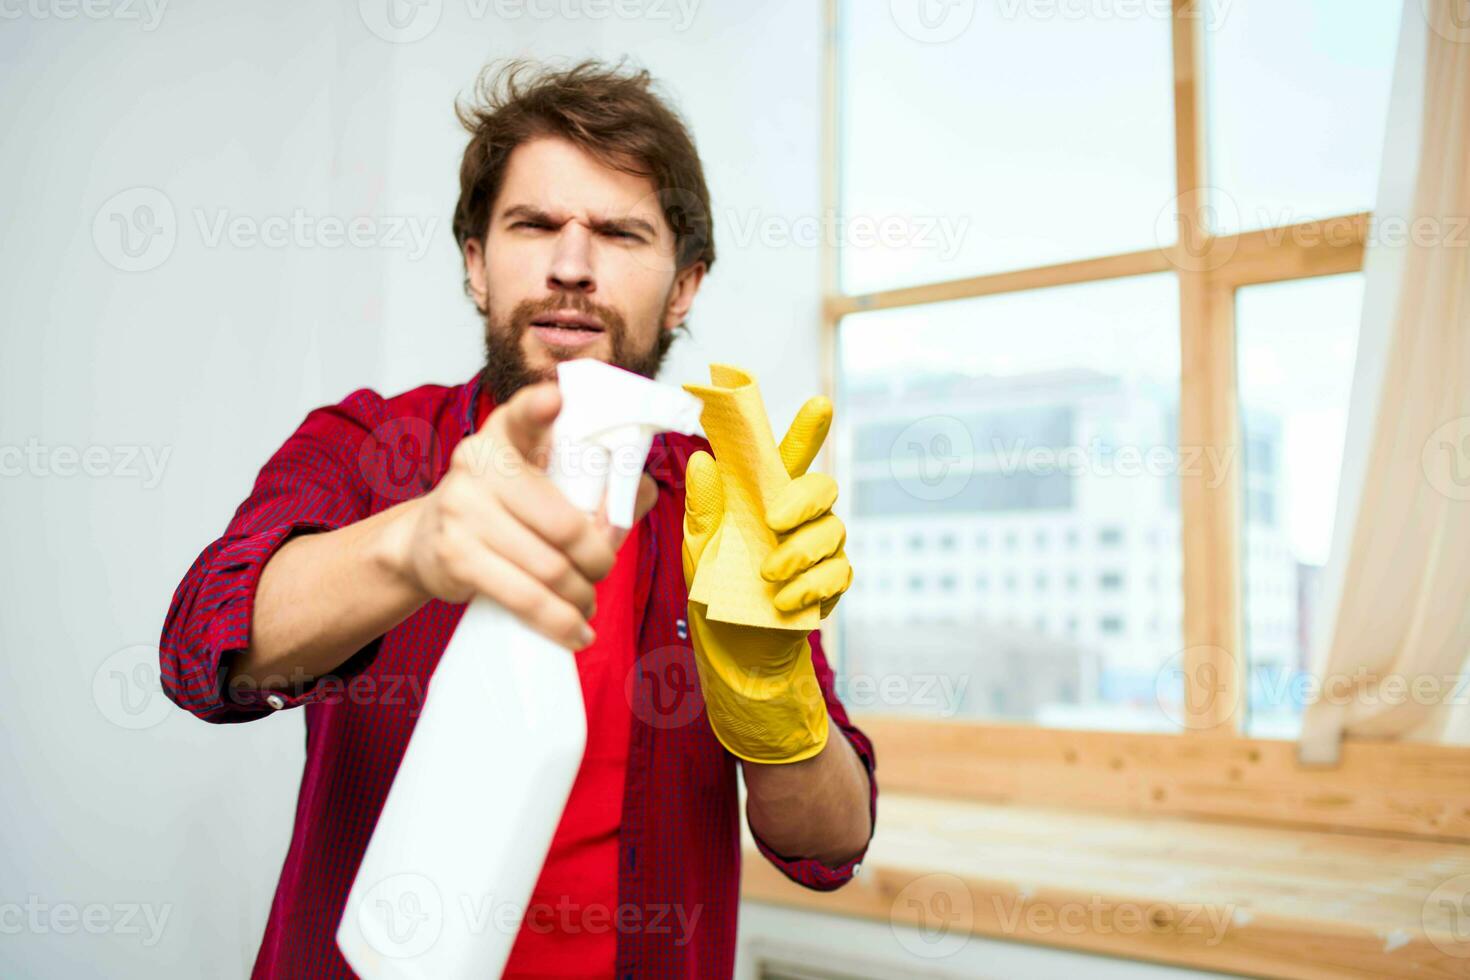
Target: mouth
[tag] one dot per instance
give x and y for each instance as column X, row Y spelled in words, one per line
column 566, row 328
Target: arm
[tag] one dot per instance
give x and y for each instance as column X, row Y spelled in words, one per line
column 494, row 526
column 300, row 607
column 323, row 597
column 816, row 808
column 768, row 691
column 813, row 819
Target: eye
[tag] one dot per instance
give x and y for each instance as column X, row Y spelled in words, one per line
column 530, row 224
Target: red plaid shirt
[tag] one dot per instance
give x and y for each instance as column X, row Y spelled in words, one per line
column 679, row 842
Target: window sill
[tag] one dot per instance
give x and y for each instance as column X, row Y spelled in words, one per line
column 1220, row 896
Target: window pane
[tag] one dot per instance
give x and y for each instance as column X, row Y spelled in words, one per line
column 1027, row 139
column 1295, row 345
column 1010, row 478
column 1298, row 100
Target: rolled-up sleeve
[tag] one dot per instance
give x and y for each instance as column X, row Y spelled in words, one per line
column 312, row 483
column 809, row 871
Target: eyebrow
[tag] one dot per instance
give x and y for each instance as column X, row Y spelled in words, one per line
column 527, row 212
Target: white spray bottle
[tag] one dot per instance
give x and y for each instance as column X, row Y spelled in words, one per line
column 469, row 819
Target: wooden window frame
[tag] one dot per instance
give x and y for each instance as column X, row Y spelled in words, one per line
column 1210, row 769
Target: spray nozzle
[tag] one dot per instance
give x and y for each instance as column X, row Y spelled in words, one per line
column 601, row 437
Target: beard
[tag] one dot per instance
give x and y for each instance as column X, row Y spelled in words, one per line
column 506, row 370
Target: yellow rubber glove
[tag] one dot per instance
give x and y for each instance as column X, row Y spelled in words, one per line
column 763, row 559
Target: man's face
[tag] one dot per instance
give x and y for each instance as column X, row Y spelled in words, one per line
column 577, row 261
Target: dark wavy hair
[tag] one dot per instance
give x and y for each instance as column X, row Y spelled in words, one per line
column 612, row 112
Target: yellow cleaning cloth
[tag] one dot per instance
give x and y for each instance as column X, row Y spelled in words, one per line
column 760, row 537
column 752, row 473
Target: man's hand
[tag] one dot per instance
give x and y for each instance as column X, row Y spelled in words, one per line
column 496, row 526
column 810, row 561
column 760, row 691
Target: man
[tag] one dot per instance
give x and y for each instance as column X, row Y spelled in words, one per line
column 583, row 220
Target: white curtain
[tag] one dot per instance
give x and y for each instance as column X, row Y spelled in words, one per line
column 1396, row 620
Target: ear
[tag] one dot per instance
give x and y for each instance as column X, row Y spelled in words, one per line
column 474, row 268
column 681, row 295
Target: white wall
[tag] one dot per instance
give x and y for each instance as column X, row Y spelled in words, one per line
column 208, row 358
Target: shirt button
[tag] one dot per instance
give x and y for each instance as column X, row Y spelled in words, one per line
column 275, row 701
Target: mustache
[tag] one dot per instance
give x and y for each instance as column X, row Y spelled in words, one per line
column 506, row 370
column 528, row 310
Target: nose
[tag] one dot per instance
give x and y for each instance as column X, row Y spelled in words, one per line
column 571, row 261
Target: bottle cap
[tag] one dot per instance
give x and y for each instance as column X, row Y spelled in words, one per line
column 601, row 437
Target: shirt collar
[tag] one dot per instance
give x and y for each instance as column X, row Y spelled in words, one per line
column 465, row 401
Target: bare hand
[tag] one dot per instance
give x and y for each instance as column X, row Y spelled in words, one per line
column 496, row 526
